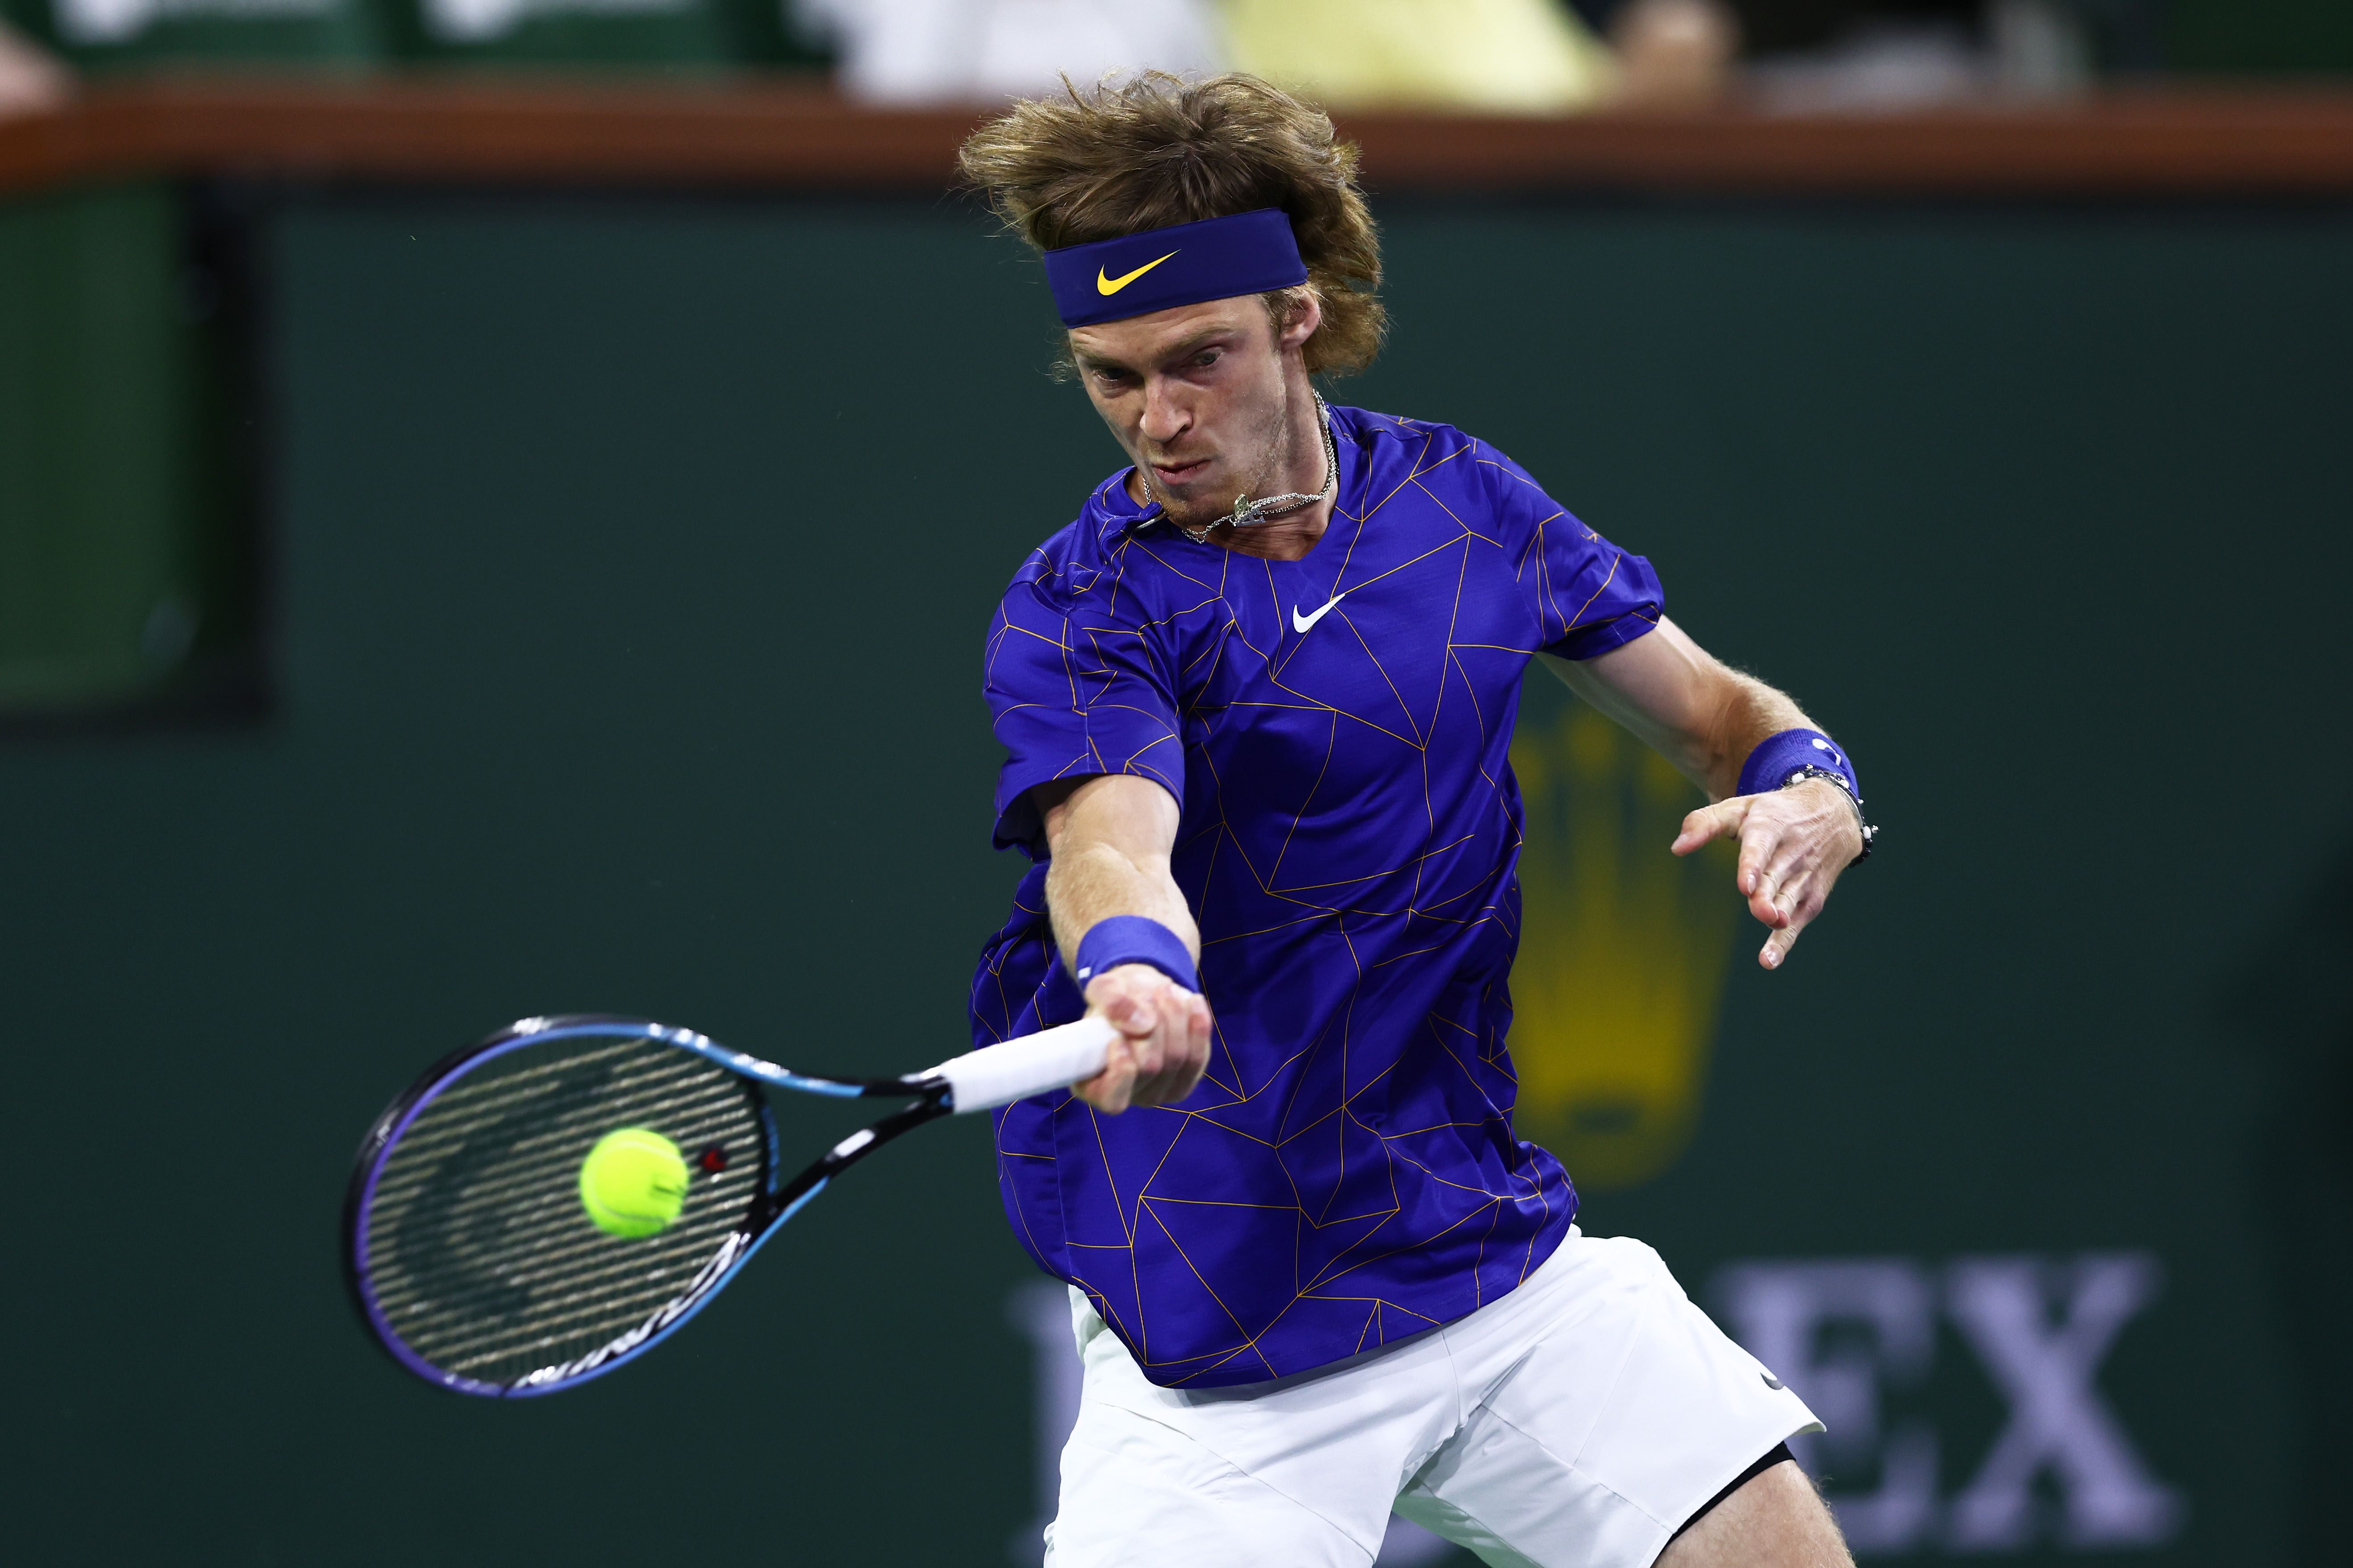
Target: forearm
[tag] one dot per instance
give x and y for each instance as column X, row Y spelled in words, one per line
column 1749, row 712
column 1098, row 881
column 1110, row 837
column 1108, row 840
column 1696, row 711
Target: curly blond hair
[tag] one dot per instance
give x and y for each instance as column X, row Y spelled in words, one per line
column 1155, row 150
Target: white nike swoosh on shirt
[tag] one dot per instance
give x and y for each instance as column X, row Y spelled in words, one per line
column 1300, row 623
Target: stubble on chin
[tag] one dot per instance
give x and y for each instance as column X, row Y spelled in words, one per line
column 1274, row 440
column 1194, row 516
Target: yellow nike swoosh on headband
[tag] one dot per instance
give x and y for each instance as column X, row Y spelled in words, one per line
column 1114, row 285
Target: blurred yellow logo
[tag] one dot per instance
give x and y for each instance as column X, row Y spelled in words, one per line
column 1114, row 285
column 1622, row 947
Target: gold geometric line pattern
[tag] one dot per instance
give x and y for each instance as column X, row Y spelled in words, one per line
column 1109, row 639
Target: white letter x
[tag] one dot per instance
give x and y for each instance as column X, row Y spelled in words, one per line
column 2057, row 1418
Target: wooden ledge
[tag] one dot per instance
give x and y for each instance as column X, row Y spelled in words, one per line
column 440, row 131
column 634, row 132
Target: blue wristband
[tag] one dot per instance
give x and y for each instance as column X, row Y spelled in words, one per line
column 1777, row 759
column 1133, row 939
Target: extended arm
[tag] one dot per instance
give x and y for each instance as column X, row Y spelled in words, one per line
column 1110, row 836
column 1705, row 717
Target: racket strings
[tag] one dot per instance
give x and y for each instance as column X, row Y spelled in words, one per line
column 529, row 1271
column 428, row 1140
column 480, row 1256
column 558, row 1250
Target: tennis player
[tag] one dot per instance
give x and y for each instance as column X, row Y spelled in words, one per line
column 1256, row 703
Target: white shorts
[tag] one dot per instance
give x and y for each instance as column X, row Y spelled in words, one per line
column 1577, row 1423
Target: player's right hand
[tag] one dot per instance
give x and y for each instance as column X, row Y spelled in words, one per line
column 1164, row 1040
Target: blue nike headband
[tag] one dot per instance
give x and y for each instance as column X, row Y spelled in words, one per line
column 1185, row 264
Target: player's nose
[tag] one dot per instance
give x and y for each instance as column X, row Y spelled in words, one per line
column 1165, row 418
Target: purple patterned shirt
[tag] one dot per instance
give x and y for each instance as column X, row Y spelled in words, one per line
column 1336, row 731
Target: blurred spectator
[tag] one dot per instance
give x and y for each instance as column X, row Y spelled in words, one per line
column 954, row 51
column 1509, row 55
column 1899, row 51
column 2038, row 50
column 1882, row 65
column 1912, row 53
column 31, row 82
column 1674, row 54
column 1780, row 27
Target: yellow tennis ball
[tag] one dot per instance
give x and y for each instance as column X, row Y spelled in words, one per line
column 633, row 1182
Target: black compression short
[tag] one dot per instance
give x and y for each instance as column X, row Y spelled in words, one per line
column 1779, row 1452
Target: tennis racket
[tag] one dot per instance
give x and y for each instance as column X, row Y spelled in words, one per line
column 466, row 1240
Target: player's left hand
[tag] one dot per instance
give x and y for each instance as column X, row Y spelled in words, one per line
column 1794, row 843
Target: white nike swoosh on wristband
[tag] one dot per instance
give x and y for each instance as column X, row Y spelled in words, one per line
column 1300, row 623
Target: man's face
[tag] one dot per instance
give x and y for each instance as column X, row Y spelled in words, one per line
column 1200, row 396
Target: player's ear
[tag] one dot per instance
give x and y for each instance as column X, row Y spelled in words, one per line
column 1302, row 312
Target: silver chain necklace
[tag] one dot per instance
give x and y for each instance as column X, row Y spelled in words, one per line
column 1247, row 511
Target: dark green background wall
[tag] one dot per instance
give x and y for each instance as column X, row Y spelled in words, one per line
column 633, row 558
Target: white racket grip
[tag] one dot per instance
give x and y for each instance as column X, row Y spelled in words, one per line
column 1034, row 1064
